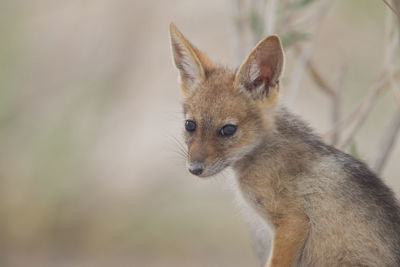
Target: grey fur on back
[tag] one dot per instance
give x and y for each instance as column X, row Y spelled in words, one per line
column 354, row 216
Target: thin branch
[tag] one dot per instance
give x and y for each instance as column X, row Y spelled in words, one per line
column 319, row 80
column 304, row 53
column 395, row 10
column 364, row 110
column 298, row 72
column 386, row 143
column 335, row 117
column 396, row 95
column 397, row 7
column 379, row 88
column 388, row 78
column 388, row 139
column 336, row 104
column 332, row 91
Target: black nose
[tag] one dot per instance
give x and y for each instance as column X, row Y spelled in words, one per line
column 196, row 169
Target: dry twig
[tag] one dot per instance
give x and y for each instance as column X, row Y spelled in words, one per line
column 364, row 109
column 387, row 142
column 332, row 91
column 396, row 9
column 305, row 20
column 389, row 136
column 345, row 122
column 298, row 72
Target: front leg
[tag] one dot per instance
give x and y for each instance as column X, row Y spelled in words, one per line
column 289, row 236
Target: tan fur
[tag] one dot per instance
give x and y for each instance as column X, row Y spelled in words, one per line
column 272, row 195
column 200, row 61
column 320, row 213
column 290, row 233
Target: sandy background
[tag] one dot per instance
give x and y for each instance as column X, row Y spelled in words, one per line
column 89, row 106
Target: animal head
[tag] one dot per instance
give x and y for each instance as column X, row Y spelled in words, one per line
column 227, row 113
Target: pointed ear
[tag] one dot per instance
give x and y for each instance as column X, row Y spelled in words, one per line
column 260, row 72
column 192, row 64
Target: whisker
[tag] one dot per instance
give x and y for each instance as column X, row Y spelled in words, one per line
column 178, row 149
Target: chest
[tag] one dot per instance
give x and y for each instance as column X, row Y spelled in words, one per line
column 269, row 197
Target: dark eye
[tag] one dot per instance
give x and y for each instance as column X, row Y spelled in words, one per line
column 190, row 126
column 227, row 130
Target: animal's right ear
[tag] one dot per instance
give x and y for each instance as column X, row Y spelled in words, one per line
column 259, row 74
column 191, row 63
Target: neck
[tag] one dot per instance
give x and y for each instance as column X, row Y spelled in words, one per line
column 290, row 146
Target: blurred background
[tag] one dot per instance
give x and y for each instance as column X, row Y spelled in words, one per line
column 90, row 113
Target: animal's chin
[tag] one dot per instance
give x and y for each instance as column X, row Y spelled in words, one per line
column 212, row 172
column 208, row 175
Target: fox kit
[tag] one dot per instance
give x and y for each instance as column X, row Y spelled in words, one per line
column 324, row 207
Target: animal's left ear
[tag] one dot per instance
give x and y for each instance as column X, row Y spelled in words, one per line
column 260, row 72
column 192, row 64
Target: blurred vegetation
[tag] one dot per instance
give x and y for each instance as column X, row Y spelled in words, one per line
column 84, row 88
